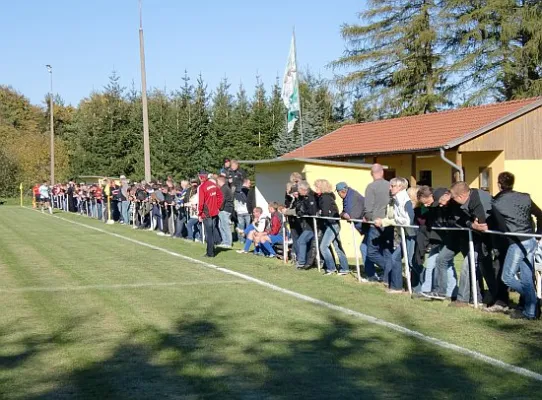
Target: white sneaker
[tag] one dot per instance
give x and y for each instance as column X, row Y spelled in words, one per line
column 161, row 234
column 242, row 252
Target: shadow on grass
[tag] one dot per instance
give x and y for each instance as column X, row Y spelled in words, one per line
column 213, row 357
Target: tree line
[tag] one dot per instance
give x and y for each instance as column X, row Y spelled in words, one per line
column 190, row 128
column 403, row 57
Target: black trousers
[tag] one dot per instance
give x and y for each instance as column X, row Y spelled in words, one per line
column 210, row 227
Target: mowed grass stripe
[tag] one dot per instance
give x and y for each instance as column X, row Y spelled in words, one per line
column 63, row 241
column 224, row 342
column 108, row 264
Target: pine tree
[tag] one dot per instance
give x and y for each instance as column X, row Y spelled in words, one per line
column 240, row 146
column 222, row 127
column 393, row 56
column 277, row 116
column 260, row 128
column 203, row 154
column 497, row 48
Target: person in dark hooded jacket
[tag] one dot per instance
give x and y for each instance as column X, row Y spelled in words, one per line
column 305, row 206
column 434, row 213
column 331, row 228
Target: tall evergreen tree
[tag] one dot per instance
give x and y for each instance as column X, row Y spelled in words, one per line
column 222, row 126
column 203, row 152
column 260, row 127
column 393, row 56
column 496, row 47
column 277, row 116
column 240, row 145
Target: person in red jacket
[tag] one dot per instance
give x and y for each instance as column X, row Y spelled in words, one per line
column 210, row 199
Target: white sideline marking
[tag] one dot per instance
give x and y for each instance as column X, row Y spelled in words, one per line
column 437, row 342
column 115, row 286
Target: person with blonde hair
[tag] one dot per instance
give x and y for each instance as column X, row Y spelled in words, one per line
column 295, row 178
column 328, row 208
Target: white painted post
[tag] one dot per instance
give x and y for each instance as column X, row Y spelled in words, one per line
column 284, row 244
column 358, row 271
column 472, row 262
column 171, row 221
column 317, row 243
column 405, row 259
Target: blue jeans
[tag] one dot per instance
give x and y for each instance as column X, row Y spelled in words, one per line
column 302, row 244
column 243, row 221
column 123, row 211
column 368, row 265
column 393, row 272
column 194, row 228
column 331, row 236
column 180, row 224
column 379, row 245
column 520, row 257
column 428, row 281
column 225, row 228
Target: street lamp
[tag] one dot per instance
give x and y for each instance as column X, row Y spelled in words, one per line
column 52, row 177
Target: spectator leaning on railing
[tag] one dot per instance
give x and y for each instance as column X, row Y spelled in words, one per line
column 402, row 213
column 305, row 206
column 512, row 211
column 353, row 208
column 328, row 208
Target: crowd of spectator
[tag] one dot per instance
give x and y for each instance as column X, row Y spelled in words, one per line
column 220, row 209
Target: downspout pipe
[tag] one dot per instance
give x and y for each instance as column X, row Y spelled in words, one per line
column 452, row 164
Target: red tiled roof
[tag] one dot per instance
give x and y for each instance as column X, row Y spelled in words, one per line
column 415, row 133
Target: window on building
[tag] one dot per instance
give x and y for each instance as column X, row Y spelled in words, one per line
column 426, row 178
column 389, row 174
column 485, row 179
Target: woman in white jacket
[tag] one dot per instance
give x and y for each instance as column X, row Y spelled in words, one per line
column 403, row 214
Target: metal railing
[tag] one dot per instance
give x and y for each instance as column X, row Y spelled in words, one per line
column 61, row 202
column 405, row 258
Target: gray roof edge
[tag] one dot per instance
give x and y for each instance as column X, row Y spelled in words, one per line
column 318, row 161
column 493, row 125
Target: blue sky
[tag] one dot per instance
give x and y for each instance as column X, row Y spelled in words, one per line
column 85, row 40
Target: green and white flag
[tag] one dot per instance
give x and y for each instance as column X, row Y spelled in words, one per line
column 290, row 88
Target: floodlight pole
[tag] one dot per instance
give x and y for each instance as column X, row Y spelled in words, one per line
column 51, row 122
column 146, row 143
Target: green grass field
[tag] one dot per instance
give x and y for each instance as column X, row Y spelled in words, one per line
column 89, row 315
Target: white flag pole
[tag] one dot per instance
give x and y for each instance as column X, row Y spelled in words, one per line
column 299, row 94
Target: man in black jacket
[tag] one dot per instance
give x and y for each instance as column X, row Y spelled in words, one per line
column 512, row 213
column 435, row 213
column 473, row 212
column 305, row 206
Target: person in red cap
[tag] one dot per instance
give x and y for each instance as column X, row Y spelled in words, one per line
column 210, row 199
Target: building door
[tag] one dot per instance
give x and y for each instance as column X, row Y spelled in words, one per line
column 485, row 180
column 426, row 178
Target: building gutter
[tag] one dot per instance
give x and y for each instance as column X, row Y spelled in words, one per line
column 452, row 164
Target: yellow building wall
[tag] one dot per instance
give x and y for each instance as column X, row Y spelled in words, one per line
column 526, row 172
column 401, row 163
column 473, row 161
